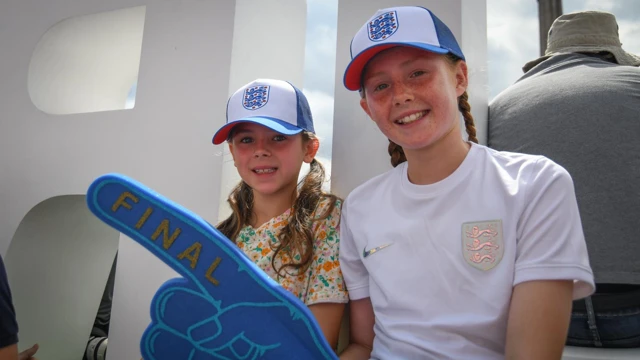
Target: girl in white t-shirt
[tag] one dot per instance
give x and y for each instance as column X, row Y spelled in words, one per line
column 460, row 251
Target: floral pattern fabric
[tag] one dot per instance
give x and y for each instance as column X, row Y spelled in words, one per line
column 322, row 281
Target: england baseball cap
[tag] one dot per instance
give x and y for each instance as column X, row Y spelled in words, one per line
column 412, row 26
column 275, row 104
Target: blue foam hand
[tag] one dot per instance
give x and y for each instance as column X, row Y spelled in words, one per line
column 224, row 306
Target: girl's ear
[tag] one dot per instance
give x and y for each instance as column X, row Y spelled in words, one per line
column 365, row 106
column 311, row 149
column 462, row 79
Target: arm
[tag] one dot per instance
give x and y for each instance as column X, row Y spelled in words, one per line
column 360, row 330
column 9, row 352
column 8, row 324
column 356, row 277
column 326, row 294
column 539, row 320
column 29, row 353
column 329, row 317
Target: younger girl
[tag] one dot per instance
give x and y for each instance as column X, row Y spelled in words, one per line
column 460, row 251
column 289, row 231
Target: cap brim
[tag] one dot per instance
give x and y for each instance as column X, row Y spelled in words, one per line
column 274, row 124
column 353, row 73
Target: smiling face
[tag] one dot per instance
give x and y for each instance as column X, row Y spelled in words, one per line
column 269, row 162
column 412, row 95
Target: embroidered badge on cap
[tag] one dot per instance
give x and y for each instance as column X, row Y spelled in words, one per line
column 383, row 26
column 256, row 97
column 482, row 243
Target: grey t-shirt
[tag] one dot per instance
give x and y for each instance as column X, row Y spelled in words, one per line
column 584, row 113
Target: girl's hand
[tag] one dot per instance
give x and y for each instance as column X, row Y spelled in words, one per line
column 29, row 353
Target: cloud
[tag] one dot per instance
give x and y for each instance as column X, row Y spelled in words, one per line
column 130, row 103
column 604, row 5
column 512, row 37
column 622, row 9
column 321, row 104
column 319, row 71
column 320, row 49
column 630, row 35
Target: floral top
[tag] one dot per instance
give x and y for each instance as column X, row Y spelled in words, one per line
column 322, row 281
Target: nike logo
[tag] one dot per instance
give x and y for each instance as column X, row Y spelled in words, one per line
column 366, row 252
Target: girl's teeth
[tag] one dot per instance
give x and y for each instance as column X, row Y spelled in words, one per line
column 265, row 171
column 411, row 118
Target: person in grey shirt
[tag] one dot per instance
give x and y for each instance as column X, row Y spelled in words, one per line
column 579, row 105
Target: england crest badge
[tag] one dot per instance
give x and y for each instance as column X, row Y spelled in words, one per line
column 383, row 26
column 482, row 244
column 256, row 97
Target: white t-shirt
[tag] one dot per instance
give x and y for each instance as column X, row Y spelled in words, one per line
column 439, row 261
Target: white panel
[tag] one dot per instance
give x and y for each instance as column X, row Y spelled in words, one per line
column 139, row 274
column 87, row 63
column 165, row 142
column 359, row 148
column 57, row 266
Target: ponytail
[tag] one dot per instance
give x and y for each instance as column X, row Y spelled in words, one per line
column 297, row 237
column 241, row 202
column 465, row 109
column 397, row 154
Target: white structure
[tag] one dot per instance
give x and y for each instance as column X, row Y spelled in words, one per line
column 67, row 70
column 68, row 63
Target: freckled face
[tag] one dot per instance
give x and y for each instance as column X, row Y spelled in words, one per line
column 411, row 95
column 269, row 162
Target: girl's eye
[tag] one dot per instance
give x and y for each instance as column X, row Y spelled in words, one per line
column 246, row 140
column 279, row 138
column 380, row 87
column 417, row 73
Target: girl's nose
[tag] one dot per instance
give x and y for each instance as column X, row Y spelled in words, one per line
column 261, row 150
column 402, row 94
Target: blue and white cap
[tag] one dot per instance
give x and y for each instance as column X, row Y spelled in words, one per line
column 275, row 104
column 411, row 26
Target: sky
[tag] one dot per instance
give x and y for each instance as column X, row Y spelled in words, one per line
column 512, row 36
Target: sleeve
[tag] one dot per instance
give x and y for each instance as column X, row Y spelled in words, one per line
column 551, row 244
column 356, row 276
column 8, row 323
column 326, row 284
